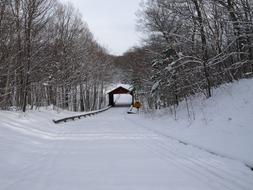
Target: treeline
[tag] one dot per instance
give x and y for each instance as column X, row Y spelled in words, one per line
column 48, row 56
column 192, row 47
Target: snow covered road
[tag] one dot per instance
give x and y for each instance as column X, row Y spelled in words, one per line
column 111, row 151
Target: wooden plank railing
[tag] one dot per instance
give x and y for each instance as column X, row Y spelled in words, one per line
column 80, row 116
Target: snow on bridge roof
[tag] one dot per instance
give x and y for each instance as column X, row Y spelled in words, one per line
column 125, row 86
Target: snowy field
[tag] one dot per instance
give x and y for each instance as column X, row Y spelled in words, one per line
column 117, row 151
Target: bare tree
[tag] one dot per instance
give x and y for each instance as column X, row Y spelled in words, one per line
column 49, row 57
column 200, row 44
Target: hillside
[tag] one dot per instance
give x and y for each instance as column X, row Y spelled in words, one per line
column 222, row 124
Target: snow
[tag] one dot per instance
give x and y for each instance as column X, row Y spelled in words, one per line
column 119, row 151
column 123, row 99
column 115, row 86
column 155, row 86
column 223, row 124
column 132, row 110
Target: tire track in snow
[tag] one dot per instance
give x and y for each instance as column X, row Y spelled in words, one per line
column 196, row 146
column 216, row 173
column 207, row 165
column 209, row 171
column 170, row 159
column 181, row 164
column 212, row 172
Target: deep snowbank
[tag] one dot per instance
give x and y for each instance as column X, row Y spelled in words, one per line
column 223, row 124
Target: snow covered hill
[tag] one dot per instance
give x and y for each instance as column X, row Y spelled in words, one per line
column 222, row 124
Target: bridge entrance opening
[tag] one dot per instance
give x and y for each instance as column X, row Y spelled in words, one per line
column 121, row 96
column 122, row 100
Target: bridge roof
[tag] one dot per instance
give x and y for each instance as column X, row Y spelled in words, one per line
column 125, row 87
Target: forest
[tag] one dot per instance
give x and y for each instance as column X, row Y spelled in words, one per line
column 48, row 56
column 190, row 47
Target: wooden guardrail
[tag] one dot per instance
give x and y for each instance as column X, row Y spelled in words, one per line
column 80, row 116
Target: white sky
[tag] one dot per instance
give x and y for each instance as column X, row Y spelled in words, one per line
column 113, row 22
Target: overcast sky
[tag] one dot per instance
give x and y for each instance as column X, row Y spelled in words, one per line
column 113, row 22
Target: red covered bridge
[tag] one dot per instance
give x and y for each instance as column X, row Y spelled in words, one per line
column 119, row 90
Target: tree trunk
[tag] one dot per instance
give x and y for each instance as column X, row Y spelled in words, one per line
column 204, row 47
